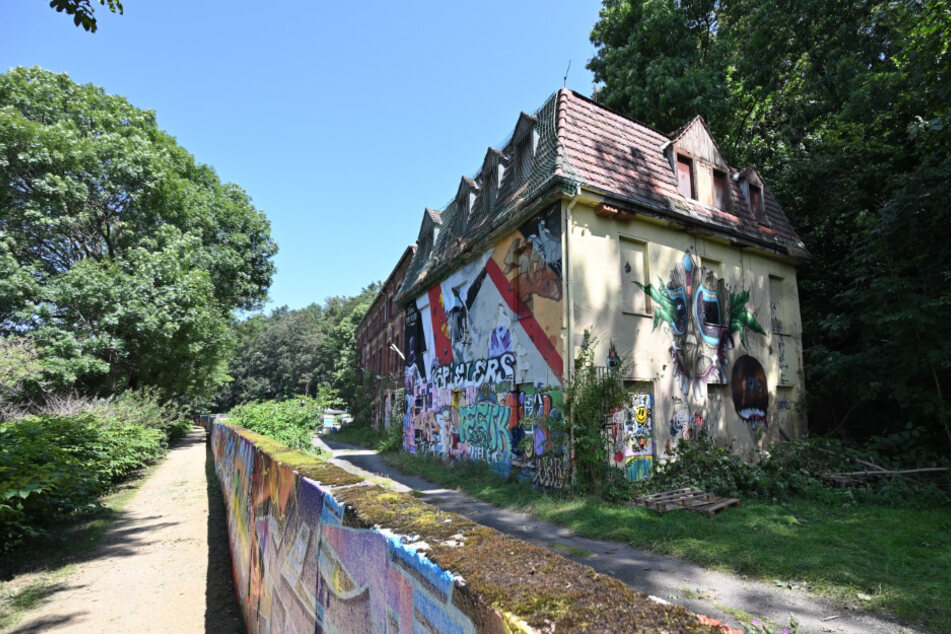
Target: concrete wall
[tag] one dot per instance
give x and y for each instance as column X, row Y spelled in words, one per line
column 484, row 357
column 699, row 366
column 300, row 567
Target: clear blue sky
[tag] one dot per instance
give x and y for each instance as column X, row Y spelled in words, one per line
column 341, row 120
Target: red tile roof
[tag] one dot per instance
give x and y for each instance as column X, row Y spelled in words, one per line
column 619, row 157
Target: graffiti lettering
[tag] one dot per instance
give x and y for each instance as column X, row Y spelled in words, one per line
column 475, row 373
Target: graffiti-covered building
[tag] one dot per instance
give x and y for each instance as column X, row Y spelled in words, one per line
column 379, row 341
column 682, row 266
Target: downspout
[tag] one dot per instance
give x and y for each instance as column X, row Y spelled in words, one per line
column 570, row 357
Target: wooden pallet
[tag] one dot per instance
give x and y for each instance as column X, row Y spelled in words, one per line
column 689, row 499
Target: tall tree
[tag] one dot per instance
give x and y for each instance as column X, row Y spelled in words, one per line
column 122, row 257
column 302, row 351
column 845, row 107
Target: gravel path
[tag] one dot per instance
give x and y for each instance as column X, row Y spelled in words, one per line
column 162, row 566
column 698, row 589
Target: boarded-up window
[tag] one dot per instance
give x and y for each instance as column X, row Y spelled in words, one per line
column 633, row 269
column 756, row 201
column 720, row 198
column 685, row 176
column 776, row 304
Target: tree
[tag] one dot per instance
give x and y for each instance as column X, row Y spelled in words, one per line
column 304, row 351
column 847, row 113
column 122, row 258
column 83, row 11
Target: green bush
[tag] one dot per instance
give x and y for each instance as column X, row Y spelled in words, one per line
column 52, row 466
column 789, row 470
column 292, row 422
column 145, row 408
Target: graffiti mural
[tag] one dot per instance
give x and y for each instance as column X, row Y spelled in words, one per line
column 298, row 567
column 750, row 394
column 703, row 315
column 631, row 434
column 484, row 369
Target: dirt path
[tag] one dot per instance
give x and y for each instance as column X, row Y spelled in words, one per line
column 698, row 589
column 162, row 566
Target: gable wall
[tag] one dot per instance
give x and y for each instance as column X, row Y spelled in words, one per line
column 691, row 385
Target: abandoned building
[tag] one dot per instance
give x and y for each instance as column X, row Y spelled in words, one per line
column 681, row 266
column 379, row 341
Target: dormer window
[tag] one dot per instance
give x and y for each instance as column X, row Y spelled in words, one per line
column 523, row 158
column 756, row 201
column 685, row 183
column 720, row 190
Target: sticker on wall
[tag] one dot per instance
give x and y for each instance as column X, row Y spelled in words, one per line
column 750, row 395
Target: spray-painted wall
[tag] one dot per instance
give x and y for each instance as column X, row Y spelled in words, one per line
column 484, row 357
column 712, row 333
column 298, row 566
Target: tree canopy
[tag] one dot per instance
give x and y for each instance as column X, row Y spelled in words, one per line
column 309, row 351
column 83, row 11
column 846, row 111
column 121, row 257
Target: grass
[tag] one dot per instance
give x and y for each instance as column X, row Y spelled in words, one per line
column 890, row 559
column 36, row 569
column 366, row 436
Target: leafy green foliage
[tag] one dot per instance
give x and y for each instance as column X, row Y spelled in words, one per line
column 292, row 422
column 83, row 11
column 122, row 257
column 793, row 470
column 590, row 395
column 52, row 466
column 307, row 351
column 847, row 114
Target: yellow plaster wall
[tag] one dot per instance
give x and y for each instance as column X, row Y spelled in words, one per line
column 594, row 245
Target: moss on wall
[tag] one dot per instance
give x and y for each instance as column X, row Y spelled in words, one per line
column 524, row 583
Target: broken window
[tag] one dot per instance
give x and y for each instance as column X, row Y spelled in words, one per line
column 685, row 176
column 756, row 201
column 720, row 196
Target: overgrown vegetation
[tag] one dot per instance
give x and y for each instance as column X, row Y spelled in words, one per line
column 589, row 396
column 310, row 351
column 869, row 555
column 847, row 115
column 57, row 461
column 292, row 422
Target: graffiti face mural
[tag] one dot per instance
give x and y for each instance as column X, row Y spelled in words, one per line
column 750, row 396
column 702, row 316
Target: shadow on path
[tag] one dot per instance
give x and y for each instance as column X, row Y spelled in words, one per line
column 222, row 614
column 698, row 589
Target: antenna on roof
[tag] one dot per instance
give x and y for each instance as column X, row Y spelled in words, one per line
column 566, row 73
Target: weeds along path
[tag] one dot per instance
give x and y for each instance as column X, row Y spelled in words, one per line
column 159, row 567
column 715, row 594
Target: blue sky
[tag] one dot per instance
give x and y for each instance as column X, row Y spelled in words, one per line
column 341, row 120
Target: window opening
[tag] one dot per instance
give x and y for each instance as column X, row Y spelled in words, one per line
column 720, row 190
column 685, row 176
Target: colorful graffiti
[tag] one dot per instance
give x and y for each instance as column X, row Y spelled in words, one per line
column 483, row 368
column 750, row 394
column 298, row 566
column 703, row 317
column 631, row 434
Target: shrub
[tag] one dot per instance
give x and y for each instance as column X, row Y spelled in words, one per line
column 52, row 466
column 292, row 422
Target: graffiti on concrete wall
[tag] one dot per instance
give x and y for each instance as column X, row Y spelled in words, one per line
column 299, row 568
column 631, row 431
column 703, row 316
column 483, row 369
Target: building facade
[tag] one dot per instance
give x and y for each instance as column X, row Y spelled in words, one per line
column 681, row 266
column 380, row 344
